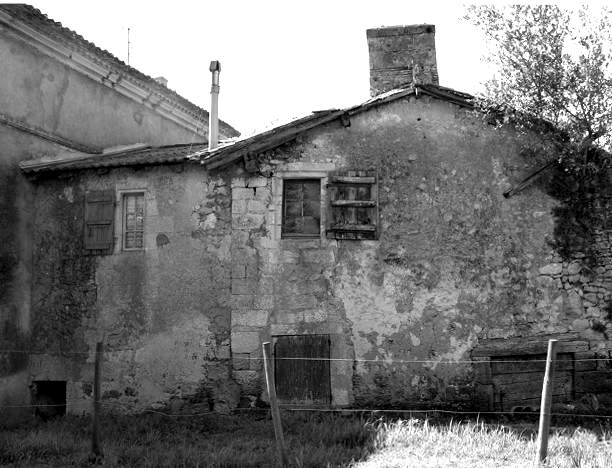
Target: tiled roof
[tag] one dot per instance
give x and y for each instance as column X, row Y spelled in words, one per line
column 132, row 157
column 231, row 150
column 70, row 39
column 275, row 137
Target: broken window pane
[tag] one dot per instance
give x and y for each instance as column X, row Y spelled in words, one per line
column 301, row 208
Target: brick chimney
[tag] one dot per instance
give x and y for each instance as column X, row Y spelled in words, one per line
column 401, row 55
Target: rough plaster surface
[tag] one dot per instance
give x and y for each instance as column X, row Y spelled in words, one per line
column 162, row 312
column 456, row 264
column 38, row 91
column 456, row 268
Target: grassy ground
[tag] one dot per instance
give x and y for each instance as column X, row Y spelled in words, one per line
column 313, row 441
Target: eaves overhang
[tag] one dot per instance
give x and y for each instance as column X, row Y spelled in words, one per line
column 277, row 136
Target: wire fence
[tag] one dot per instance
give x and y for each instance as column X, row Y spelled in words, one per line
column 374, row 411
column 496, row 359
column 97, row 400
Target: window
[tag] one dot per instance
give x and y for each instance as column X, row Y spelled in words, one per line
column 133, row 221
column 301, row 208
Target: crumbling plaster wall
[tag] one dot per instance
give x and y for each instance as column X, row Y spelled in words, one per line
column 162, row 312
column 456, row 263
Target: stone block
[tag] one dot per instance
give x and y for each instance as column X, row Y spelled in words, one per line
column 240, row 207
column 250, row 317
column 263, row 301
column 257, row 182
column 551, row 269
column 315, row 315
column 580, row 325
column 263, row 194
column 250, row 381
column 247, row 221
column 242, row 301
column 243, row 286
column 245, row 341
column 238, row 182
column 243, row 194
column 241, row 361
column 574, row 268
column 301, row 301
column 239, row 270
column 256, row 206
column 288, row 256
column 240, row 238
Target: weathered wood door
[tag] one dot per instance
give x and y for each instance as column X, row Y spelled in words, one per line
column 306, row 379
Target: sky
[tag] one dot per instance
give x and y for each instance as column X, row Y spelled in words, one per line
column 279, row 59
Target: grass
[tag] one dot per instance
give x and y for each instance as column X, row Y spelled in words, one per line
column 313, row 440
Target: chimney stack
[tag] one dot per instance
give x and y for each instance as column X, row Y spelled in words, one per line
column 213, row 116
column 401, row 56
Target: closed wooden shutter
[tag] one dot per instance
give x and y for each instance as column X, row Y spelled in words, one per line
column 353, row 205
column 301, row 369
column 99, row 217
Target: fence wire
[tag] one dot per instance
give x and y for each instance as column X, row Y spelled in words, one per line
column 373, row 411
column 376, row 361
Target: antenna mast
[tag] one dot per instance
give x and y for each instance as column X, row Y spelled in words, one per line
column 128, row 46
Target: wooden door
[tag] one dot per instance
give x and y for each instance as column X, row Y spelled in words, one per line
column 306, row 379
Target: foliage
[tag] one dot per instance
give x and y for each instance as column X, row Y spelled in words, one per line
column 552, row 65
column 553, row 80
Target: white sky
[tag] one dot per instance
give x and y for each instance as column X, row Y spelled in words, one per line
column 279, row 58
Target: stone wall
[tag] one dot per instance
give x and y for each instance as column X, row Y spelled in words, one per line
column 163, row 312
column 456, row 266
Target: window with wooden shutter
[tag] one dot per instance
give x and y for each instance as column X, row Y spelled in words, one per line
column 353, row 205
column 99, row 217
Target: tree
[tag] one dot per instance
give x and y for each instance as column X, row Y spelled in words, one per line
column 554, row 76
column 552, row 65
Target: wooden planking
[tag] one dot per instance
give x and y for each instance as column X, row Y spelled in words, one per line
column 534, row 363
column 355, row 203
column 354, row 227
column 349, row 179
column 522, row 346
column 306, row 380
column 517, row 379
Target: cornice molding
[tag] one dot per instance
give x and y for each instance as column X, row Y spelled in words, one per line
column 101, row 71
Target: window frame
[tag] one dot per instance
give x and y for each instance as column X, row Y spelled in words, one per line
column 123, row 195
column 298, row 170
column 297, row 235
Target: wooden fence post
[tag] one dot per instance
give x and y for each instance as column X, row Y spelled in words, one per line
column 547, row 389
column 95, row 429
column 276, row 420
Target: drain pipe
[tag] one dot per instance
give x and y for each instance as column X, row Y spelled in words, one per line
column 213, row 117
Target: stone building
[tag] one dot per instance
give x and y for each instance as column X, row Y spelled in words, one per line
column 63, row 97
column 378, row 245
